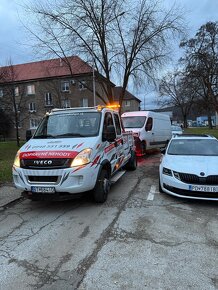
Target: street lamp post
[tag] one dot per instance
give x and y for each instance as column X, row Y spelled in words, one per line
column 93, row 77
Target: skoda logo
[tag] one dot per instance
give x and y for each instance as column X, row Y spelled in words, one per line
column 202, row 173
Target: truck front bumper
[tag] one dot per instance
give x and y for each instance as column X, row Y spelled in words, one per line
column 68, row 180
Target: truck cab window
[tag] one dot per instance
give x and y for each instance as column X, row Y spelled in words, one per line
column 117, row 124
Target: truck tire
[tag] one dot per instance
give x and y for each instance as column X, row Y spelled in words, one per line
column 132, row 163
column 102, row 187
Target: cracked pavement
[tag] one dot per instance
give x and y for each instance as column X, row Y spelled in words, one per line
column 129, row 242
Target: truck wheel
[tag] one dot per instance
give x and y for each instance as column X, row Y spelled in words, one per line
column 132, row 163
column 102, row 187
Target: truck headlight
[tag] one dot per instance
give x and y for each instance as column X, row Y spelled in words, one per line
column 82, row 158
column 17, row 159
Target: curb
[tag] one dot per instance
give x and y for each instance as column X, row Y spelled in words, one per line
column 11, row 203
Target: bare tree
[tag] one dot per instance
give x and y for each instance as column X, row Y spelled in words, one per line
column 176, row 90
column 201, row 65
column 122, row 39
column 13, row 101
column 4, row 124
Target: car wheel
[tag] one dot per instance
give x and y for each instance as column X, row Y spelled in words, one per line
column 102, row 187
column 132, row 163
column 160, row 188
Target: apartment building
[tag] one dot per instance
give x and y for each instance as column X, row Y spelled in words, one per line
column 28, row 91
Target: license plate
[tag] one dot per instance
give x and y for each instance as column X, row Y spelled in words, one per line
column 203, row 188
column 42, row 189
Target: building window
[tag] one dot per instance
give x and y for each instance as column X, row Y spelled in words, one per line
column 34, row 123
column 48, row 99
column 1, row 93
column 66, row 103
column 82, row 85
column 127, row 103
column 30, row 89
column 84, row 102
column 65, row 86
column 16, row 91
column 32, row 107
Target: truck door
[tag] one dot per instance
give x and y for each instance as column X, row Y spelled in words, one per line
column 110, row 149
column 120, row 144
column 113, row 150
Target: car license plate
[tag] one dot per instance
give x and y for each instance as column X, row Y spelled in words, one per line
column 42, row 189
column 203, row 188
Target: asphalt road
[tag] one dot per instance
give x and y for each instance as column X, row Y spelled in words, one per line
column 138, row 239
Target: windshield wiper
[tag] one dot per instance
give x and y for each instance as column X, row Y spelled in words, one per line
column 44, row 136
column 70, row 135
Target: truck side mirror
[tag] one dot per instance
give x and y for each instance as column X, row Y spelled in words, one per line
column 28, row 135
column 110, row 134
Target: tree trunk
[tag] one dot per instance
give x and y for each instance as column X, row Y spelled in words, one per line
column 210, row 125
column 185, row 124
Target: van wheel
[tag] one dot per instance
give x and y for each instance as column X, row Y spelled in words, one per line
column 132, row 163
column 102, row 187
column 143, row 148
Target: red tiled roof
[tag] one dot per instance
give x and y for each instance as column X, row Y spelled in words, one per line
column 127, row 96
column 48, row 68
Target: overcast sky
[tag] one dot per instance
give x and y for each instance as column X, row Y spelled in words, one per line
column 14, row 42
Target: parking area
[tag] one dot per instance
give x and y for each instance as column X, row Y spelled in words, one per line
column 138, row 239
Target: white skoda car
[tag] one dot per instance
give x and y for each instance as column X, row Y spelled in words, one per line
column 189, row 167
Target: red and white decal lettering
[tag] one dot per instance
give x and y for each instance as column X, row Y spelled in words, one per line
column 109, row 148
column 119, row 141
column 95, row 161
column 47, row 154
column 79, row 145
column 78, row 168
column 27, row 147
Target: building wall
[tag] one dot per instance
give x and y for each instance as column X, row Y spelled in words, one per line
column 36, row 98
column 130, row 105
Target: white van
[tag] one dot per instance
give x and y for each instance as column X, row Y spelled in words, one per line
column 151, row 130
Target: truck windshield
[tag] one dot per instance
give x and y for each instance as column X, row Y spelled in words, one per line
column 82, row 124
column 134, row 121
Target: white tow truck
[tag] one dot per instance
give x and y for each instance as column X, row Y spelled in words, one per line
column 73, row 151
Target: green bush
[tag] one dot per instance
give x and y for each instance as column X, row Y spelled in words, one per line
column 202, row 130
column 7, row 153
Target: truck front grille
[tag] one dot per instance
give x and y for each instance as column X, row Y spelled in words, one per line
column 49, row 179
column 46, row 163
